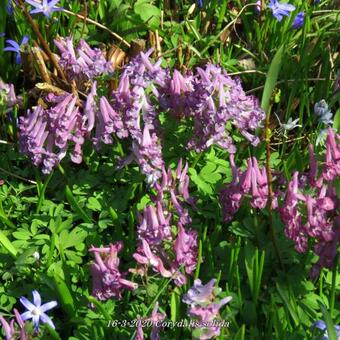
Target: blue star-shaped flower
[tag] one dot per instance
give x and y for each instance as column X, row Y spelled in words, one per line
column 36, row 311
column 13, row 46
column 46, row 7
column 280, row 9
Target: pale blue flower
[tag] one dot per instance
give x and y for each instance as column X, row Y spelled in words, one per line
column 46, row 7
column 36, row 311
column 290, row 125
column 323, row 112
column 280, row 9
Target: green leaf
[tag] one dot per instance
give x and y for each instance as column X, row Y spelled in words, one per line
column 202, row 186
column 240, row 333
column 7, row 244
column 149, row 13
column 75, row 237
column 290, row 308
column 272, row 76
column 152, row 289
column 93, row 204
column 52, row 332
column 100, row 307
column 65, row 296
column 173, row 307
column 208, row 169
column 22, row 234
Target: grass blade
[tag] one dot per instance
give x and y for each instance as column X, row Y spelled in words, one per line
column 271, row 80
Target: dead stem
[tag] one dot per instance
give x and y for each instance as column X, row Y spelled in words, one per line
column 118, row 37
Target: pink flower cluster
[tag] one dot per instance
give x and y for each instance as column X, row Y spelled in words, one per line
column 107, row 281
column 83, row 62
column 309, row 207
column 211, row 99
column 252, row 182
column 10, row 331
column 313, row 213
column 155, row 232
column 45, row 134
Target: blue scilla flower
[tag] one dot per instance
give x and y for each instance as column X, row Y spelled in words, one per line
column 46, row 7
column 9, row 7
column 298, row 20
column 321, row 325
column 36, row 311
column 280, row 9
column 13, row 46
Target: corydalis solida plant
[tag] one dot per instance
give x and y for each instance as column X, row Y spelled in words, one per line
column 210, row 99
column 162, row 247
column 309, row 207
column 314, row 214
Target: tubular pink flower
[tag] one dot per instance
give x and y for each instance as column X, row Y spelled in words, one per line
column 107, row 281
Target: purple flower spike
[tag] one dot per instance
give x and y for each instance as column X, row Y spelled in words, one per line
column 7, row 95
column 145, row 256
column 199, row 294
column 81, row 63
column 107, row 281
column 155, row 318
column 36, row 311
column 45, row 135
column 186, row 249
column 332, row 167
column 91, row 107
column 280, row 9
column 204, row 307
column 148, row 154
column 154, row 226
column 8, row 328
column 253, row 180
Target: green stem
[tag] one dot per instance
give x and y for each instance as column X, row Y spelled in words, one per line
column 334, row 275
column 42, row 192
